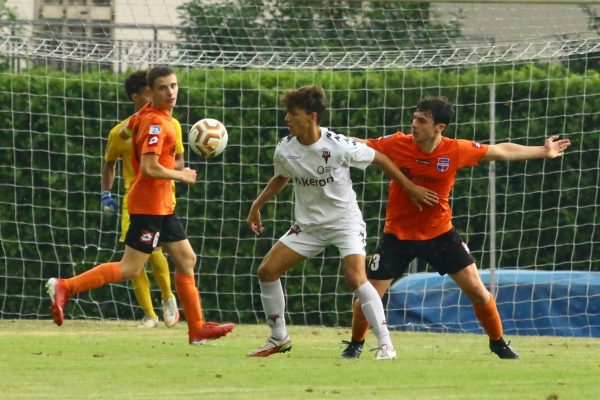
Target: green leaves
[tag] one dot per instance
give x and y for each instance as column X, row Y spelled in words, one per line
column 350, row 25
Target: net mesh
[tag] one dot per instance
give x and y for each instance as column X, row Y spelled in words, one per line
column 61, row 92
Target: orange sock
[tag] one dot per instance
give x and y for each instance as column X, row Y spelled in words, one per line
column 190, row 300
column 490, row 319
column 360, row 325
column 96, row 277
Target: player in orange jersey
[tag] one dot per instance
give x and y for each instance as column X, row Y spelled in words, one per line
column 152, row 213
column 432, row 160
column 119, row 148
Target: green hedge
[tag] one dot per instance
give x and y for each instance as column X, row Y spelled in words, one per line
column 54, row 126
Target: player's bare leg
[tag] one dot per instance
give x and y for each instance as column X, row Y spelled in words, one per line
column 469, row 281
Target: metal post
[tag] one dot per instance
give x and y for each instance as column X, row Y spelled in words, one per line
column 492, row 191
column 413, row 267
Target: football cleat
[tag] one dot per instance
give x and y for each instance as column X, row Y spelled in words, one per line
column 209, row 331
column 272, row 346
column 503, row 349
column 384, row 353
column 59, row 295
column 170, row 312
column 148, row 322
column 353, row 349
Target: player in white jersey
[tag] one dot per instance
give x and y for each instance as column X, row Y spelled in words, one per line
column 318, row 162
column 322, row 187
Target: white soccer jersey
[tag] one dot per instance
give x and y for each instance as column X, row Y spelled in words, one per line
column 323, row 193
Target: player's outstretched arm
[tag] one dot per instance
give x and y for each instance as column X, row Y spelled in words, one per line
column 275, row 185
column 554, row 147
column 419, row 195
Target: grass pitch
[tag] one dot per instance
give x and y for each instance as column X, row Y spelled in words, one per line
column 116, row 360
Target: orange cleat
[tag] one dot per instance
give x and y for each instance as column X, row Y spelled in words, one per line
column 59, row 295
column 209, row 331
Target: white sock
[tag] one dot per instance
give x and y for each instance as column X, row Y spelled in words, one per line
column 372, row 307
column 273, row 301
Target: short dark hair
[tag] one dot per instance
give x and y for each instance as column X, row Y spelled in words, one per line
column 135, row 82
column 309, row 98
column 441, row 109
column 158, row 72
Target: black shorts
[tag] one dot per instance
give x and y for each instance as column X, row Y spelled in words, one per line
column 446, row 253
column 147, row 231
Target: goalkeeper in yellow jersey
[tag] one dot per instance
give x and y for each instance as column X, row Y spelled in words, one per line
column 119, row 147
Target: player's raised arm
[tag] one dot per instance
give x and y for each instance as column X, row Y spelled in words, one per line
column 554, row 147
column 275, row 185
column 419, row 195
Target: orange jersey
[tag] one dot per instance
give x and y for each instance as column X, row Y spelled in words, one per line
column 153, row 133
column 435, row 171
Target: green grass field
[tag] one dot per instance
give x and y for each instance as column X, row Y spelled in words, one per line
column 116, row 360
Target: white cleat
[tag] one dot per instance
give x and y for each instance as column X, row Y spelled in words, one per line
column 148, row 322
column 384, row 353
column 272, row 346
column 170, row 312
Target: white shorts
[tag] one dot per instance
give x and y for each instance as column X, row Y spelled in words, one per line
column 348, row 240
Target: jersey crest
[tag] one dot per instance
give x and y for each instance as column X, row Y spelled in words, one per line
column 443, row 164
column 153, row 135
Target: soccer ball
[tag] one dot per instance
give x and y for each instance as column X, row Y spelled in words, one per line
column 208, row 137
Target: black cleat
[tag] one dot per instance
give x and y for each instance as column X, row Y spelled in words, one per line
column 353, row 349
column 503, row 349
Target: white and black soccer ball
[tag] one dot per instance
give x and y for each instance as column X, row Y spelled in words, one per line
column 208, row 137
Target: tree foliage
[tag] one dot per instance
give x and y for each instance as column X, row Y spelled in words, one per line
column 350, row 25
column 7, row 28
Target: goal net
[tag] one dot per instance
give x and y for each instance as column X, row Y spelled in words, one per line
column 516, row 71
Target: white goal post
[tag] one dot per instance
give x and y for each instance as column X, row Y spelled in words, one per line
column 60, row 94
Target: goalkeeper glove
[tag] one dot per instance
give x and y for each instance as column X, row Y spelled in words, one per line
column 109, row 205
